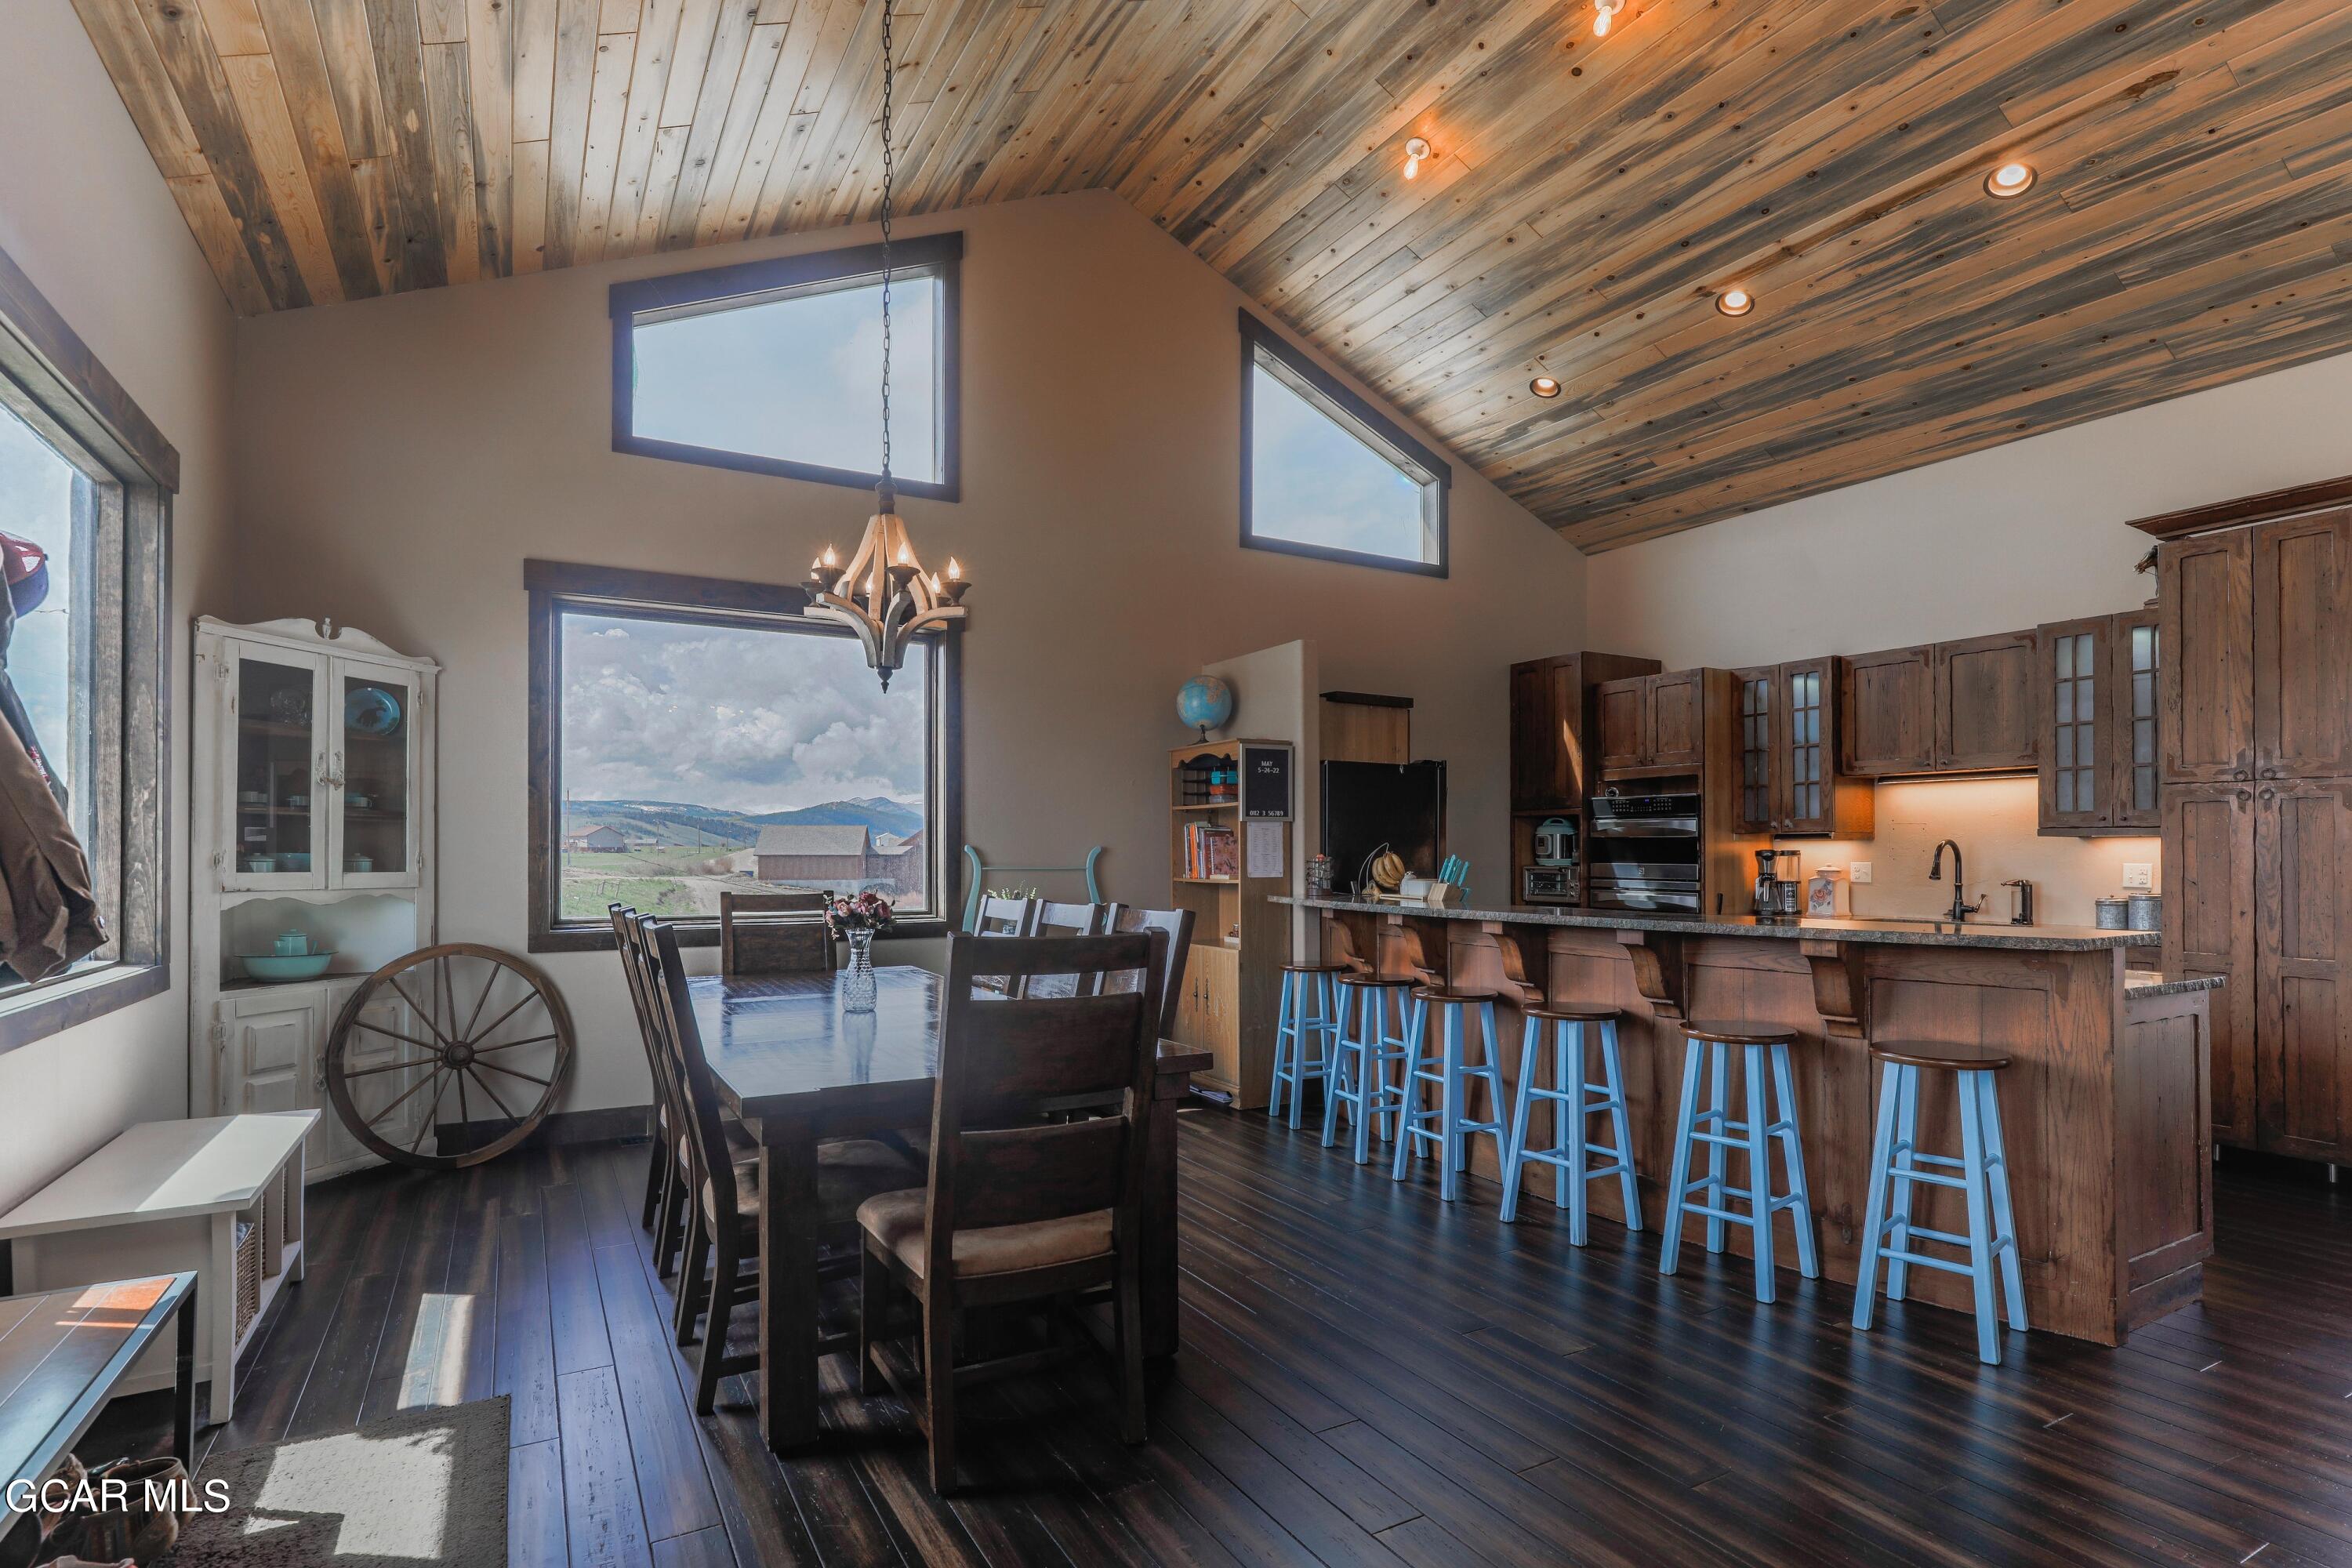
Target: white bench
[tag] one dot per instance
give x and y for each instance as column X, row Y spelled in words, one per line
column 167, row 1197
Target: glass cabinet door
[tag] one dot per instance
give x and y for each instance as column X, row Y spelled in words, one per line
column 1757, row 807
column 276, row 770
column 2136, row 775
column 1805, row 704
column 374, row 767
column 2076, row 773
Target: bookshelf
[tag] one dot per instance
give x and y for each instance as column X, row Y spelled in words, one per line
column 1240, row 941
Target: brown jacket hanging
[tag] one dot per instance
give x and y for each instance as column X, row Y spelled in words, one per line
column 48, row 917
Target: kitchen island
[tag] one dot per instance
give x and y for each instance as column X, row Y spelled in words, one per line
column 2106, row 1100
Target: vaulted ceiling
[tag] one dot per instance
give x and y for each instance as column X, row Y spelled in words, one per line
column 1586, row 198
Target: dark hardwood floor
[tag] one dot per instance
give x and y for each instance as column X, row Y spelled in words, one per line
column 1368, row 1376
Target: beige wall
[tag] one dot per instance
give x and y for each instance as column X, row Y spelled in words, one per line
column 1993, row 542
column 398, row 458
column 82, row 212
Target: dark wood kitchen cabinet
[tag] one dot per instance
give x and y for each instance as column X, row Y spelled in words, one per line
column 1652, row 721
column 1888, row 704
column 1552, row 769
column 2303, row 646
column 2209, row 929
column 2302, row 967
column 1791, row 781
column 1987, row 710
column 2100, row 725
column 1953, row 707
column 2205, row 619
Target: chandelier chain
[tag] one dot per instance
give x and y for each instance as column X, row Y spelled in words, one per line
column 888, row 170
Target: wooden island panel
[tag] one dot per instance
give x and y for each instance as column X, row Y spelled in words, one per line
column 2103, row 1105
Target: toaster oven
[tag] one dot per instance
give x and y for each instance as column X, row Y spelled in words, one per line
column 1548, row 884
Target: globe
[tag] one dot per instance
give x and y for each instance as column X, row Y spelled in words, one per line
column 1205, row 702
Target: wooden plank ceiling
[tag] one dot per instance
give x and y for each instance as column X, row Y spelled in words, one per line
column 1586, row 200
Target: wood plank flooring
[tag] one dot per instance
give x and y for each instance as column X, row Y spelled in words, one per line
column 1369, row 1376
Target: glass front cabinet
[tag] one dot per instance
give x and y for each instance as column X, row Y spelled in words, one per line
column 313, row 816
column 1787, row 782
column 2099, row 742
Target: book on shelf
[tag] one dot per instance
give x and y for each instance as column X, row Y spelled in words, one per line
column 1211, row 852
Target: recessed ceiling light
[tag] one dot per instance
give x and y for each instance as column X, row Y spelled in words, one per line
column 1417, row 153
column 1734, row 301
column 2009, row 179
column 1544, row 386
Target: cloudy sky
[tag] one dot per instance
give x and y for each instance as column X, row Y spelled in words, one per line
column 36, row 503
column 1313, row 482
column 799, row 379
column 744, row 721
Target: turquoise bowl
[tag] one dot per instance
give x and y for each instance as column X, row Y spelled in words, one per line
column 273, row 969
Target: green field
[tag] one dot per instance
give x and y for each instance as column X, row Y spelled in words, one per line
column 668, row 880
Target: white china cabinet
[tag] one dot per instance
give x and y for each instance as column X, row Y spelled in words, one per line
column 312, row 816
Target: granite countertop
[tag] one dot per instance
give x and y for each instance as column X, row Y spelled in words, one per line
column 2139, row 982
column 1912, row 933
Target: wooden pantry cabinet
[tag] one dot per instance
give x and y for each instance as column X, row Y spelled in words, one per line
column 2255, row 629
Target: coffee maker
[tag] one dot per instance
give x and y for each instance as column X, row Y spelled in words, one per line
column 1778, row 894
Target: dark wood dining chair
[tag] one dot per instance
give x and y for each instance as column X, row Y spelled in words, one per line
column 1002, row 915
column 1017, row 1209
column 666, row 1187
column 1178, row 924
column 1067, row 919
column 723, row 1223
column 749, row 944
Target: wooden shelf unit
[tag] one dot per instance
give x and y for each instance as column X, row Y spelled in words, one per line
column 1232, row 977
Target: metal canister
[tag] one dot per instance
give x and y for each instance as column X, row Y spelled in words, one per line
column 2111, row 914
column 2145, row 912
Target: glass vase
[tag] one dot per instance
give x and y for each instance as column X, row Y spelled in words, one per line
column 857, row 981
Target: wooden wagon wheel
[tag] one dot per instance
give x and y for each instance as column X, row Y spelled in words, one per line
column 459, row 1028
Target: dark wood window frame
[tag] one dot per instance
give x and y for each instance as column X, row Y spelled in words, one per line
column 748, row 283
column 1262, row 345
column 555, row 587
column 49, row 379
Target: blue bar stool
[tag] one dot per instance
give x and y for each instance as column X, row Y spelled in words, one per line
column 1569, row 1153
column 1305, row 987
column 1449, row 1072
column 1714, row 1127
column 1896, row 1163
column 1360, row 1076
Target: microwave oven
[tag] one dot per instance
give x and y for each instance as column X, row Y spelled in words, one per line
column 1548, row 884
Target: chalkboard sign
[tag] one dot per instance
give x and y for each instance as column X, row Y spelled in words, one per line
column 1265, row 782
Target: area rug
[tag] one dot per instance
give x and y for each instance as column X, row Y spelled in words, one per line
column 424, row 1489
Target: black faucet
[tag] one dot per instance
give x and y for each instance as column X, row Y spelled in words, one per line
column 1961, row 908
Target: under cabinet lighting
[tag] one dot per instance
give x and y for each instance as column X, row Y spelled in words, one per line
column 1734, row 301
column 1544, row 386
column 1417, row 153
column 2010, row 179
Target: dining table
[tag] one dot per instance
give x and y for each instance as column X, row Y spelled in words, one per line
column 798, row 1066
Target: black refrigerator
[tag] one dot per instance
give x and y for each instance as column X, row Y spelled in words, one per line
column 1369, row 805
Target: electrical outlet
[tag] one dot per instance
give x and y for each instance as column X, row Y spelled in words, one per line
column 1859, row 871
column 2139, row 874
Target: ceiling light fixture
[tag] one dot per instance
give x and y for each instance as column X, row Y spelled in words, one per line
column 2010, row 179
column 1544, row 386
column 884, row 594
column 1734, row 301
column 1603, row 13
column 1417, row 153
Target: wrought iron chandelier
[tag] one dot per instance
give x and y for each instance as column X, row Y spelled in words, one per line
column 884, row 594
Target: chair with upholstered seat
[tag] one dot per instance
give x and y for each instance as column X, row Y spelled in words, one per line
column 1019, row 1209
column 758, row 935
column 724, row 1219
